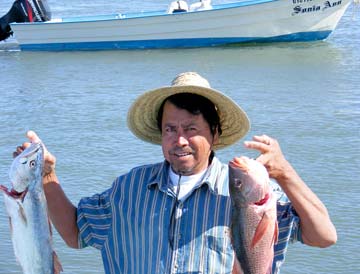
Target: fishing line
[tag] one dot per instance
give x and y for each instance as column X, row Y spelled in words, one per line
column 172, row 216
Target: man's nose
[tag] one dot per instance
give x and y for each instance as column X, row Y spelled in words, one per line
column 181, row 138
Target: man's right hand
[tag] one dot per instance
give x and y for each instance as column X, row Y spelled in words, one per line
column 49, row 159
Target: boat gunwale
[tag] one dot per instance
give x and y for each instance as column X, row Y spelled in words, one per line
column 146, row 14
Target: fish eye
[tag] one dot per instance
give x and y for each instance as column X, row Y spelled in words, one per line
column 32, row 164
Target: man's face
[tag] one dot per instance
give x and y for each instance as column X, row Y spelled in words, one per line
column 186, row 140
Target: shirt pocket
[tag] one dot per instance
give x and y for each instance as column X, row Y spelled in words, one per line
column 219, row 254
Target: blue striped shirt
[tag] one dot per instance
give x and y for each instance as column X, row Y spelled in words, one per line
column 140, row 227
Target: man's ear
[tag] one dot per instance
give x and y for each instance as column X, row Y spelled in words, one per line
column 216, row 137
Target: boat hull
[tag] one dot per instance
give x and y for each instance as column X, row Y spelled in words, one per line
column 227, row 24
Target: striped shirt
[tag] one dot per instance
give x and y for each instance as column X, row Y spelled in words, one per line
column 141, row 228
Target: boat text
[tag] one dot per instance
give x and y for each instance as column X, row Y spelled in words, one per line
column 327, row 4
column 301, row 1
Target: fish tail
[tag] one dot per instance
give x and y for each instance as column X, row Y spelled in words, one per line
column 57, row 265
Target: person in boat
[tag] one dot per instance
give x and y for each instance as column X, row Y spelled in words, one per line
column 174, row 216
column 178, row 6
column 201, row 5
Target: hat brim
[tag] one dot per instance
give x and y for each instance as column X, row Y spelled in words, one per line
column 142, row 116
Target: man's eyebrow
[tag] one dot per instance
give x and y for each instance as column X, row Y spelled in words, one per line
column 169, row 125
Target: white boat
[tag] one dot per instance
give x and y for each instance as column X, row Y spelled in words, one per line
column 225, row 24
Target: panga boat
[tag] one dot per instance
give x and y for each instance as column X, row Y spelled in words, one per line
column 246, row 21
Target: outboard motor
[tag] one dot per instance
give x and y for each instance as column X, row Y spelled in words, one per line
column 24, row 11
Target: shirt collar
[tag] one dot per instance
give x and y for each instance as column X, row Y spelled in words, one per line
column 161, row 177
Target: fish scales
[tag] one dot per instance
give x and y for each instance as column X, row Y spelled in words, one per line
column 27, row 209
column 253, row 224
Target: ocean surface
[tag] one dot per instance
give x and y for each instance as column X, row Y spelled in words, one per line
column 307, row 95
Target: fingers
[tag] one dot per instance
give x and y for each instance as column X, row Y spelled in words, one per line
column 261, row 143
column 18, row 150
column 270, row 156
column 263, row 139
column 32, row 136
column 49, row 159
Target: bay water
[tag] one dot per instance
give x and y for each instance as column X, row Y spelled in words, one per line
column 306, row 95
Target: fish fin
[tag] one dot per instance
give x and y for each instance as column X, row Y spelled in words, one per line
column 22, row 214
column 276, row 233
column 23, row 195
column 50, row 227
column 11, row 226
column 261, row 229
column 57, row 265
column 236, row 267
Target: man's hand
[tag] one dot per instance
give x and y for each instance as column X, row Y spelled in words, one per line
column 316, row 226
column 271, row 155
column 49, row 159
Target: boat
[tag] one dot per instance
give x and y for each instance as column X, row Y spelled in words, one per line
column 247, row 21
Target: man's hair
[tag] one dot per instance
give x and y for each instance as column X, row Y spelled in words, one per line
column 196, row 105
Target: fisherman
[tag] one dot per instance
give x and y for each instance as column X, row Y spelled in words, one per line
column 178, row 6
column 201, row 5
column 174, row 216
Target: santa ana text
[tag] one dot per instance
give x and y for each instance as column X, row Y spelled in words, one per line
column 327, row 4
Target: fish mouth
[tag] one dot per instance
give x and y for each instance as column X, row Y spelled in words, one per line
column 28, row 152
column 14, row 194
column 239, row 163
column 35, row 148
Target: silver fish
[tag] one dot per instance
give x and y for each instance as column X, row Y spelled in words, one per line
column 26, row 206
column 254, row 227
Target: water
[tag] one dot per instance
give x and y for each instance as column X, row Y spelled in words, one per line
column 305, row 95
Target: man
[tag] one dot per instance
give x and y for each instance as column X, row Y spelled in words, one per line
column 178, row 6
column 174, row 216
column 201, row 5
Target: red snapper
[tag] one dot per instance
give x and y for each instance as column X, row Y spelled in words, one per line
column 254, row 227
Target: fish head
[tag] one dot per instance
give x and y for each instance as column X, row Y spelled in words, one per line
column 26, row 168
column 248, row 179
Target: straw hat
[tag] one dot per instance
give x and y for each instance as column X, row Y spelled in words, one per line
column 142, row 116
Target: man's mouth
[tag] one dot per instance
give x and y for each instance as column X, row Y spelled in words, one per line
column 183, row 154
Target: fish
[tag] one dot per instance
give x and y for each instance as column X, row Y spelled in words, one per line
column 254, row 228
column 25, row 203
